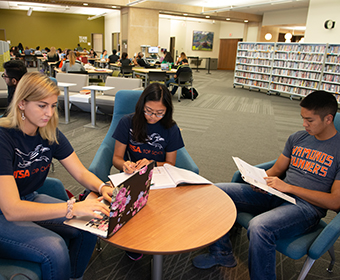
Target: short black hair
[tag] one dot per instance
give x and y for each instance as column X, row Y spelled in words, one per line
column 321, row 102
column 15, row 69
column 114, row 51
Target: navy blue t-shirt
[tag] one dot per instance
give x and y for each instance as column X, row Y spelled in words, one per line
column 160, row 140
column 28, row 158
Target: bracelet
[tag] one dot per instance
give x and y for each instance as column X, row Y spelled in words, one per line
column 70, row 203
column 101, row 186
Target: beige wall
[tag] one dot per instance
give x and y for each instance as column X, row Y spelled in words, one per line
column 139, row 27
column 269, row 29
column 320, row 11
column 48, row 29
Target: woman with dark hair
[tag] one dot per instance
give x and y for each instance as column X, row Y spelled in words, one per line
column 148, row 134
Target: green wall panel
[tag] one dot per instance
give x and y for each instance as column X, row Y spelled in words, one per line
column 48, row 29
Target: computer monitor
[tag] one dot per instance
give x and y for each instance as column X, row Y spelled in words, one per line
column 153, row 50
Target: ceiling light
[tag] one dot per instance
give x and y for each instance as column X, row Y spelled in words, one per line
column 227, row 18
column 114, row 7
column 207, row 16
column 268, row 36
column 245, row 20
column 85, row 4
column 135, row 2
column 185, row 14
column 29, row 12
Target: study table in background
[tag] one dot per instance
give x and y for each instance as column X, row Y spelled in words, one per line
column 66, row 99
column 176, row 220
column 144, row 72
column 93, row 89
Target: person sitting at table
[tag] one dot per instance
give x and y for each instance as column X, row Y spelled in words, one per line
column 85, row 51
column 168, row 58
column 79, row 48
column 182, row 68
column 31, row 224
column 148, row 134
column 92, row 54
column 72, row 64
column 37, row 51
column 313, row 180
column 13, row 72
column 113, row 58
column 52, row 56
column 179, row 60
column 141, row 61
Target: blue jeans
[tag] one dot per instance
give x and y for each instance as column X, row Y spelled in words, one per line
column 44, row 242
column 174, row 89
column 275, row 219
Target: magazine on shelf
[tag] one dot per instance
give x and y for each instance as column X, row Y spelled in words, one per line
column 166, row 176
column 254, row 176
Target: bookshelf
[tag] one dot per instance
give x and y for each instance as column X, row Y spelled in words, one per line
column 253, row 65
column 295, row 69
column 331, row 72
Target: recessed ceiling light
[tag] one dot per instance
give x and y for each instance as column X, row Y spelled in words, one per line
column 245, row 20
column 114, row 7
column 185, row 14
column 207, row 16
column 85, row 4
column 227, row 18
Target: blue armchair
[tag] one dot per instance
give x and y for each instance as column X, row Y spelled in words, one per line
column 8, row 267
column 313, row 244
column 125, row 102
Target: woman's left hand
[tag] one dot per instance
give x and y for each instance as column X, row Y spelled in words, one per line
column 141, row 163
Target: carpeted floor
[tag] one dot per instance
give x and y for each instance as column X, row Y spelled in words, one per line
column 222, row 122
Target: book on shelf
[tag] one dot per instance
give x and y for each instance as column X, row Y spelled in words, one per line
column 166, row 176
column 255, row 176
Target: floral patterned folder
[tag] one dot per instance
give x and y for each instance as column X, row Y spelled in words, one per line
column 131, row 196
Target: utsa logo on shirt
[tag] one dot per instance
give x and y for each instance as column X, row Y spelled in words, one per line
column 26, row 160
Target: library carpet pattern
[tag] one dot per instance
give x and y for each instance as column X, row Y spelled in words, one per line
column 222, row 122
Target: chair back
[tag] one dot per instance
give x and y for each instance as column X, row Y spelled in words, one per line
column 155, row 76
column 337, row 122
column 126, row 69
column 120, row 83
column 185, row 77
column 3, row 85
column 80, row 79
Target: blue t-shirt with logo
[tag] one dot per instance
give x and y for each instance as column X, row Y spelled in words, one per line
column 314, row 164
column 28, row 158
column 160, row 140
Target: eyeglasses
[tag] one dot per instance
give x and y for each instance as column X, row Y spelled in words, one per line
column 5, row 76
column 149, row 113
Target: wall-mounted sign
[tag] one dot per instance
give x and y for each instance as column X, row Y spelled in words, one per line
column 82, row 39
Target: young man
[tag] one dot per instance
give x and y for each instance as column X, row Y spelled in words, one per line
column 14, row 70
column 311, row 160
column 182, row 68
column 113, row 58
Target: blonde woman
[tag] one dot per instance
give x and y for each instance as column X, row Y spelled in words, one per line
column 31, row 224
column 179, row 60
column 72, row 64
column 52, row 56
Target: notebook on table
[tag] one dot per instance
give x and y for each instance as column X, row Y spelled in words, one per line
column 131, row 196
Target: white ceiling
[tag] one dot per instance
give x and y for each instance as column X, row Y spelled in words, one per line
column 246, row 6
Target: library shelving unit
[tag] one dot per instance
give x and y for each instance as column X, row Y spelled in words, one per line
column 297, row 68
column 331, row 72
column 253, row 65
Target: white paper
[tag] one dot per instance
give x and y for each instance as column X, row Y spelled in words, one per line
column 254, row 176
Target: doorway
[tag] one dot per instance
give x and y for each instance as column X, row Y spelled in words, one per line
column 227, row 54
column 2, row 35
column 172, row 47
column 115, row 41
column 97, row 42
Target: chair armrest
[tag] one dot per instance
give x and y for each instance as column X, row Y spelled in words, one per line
column 185, row 161
column 237, row 175
column 325, row 239
column 55, row 188
column 102, row 162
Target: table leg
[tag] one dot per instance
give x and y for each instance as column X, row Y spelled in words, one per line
column 157, row 267
column 93, row 110
column 66, row 105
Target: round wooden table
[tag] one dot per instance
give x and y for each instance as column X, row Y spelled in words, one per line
column 177, row 220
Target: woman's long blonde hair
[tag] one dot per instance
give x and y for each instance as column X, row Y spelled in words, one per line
column 52, row 52
column 33, row 86
column 72, row 58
